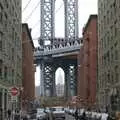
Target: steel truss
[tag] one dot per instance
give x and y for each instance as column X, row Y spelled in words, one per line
column 71, row 20
column 48, row 37
column 48, row 21
column 48, row 79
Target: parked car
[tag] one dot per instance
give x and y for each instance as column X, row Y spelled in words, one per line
column 41, row 115
column 67, row 109
column 58, row 112
column 48, row 112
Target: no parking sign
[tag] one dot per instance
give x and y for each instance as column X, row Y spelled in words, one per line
column 14, row 91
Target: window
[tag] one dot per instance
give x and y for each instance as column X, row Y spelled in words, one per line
column 5, row 72
column 12, row 53
column 0, row 45
column 108, row 57
column 6, row 17
column 0, row 16
column 1, row 13
column 1, row 40
column 12, row 76
column 116, row 28
column 116, row 54
column 112, row 56
column 0, row 68
column 108, row 77
column 112, row 78
column 116, row 74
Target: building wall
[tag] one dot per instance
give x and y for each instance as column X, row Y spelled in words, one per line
column 80, row 74
column 108, row 54
column 28, row 65
column 88, row 63
column 10, row 51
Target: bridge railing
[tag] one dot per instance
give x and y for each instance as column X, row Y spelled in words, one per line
column 47, row 50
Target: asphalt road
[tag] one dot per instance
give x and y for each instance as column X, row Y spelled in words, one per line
column 69, row 117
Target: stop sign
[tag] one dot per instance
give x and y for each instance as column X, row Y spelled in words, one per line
column 14, row 91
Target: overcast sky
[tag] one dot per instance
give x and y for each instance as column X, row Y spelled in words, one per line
column 86, row 7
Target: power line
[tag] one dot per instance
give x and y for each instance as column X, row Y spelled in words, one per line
column 26, row 6
column 32, row 12
column 39, row 20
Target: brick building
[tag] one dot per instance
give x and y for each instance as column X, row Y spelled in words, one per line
column 80, row 87
column 88, row 63
column 28, row 81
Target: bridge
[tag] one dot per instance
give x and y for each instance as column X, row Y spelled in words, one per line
column 59, row 49
column 58, row 52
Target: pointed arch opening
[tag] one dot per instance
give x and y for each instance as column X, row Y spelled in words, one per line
column 60, row 82
column 59, row 19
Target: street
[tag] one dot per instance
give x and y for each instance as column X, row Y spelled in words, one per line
column 69, row 117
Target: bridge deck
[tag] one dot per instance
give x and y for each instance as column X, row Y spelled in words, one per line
column 57, row 51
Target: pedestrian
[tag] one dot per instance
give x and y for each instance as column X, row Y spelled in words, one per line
column 17, row 115
column 83, row 116
column 1, row 113
column 76, row 114
column 9, row 114
column 13, row 114
column 25, row 118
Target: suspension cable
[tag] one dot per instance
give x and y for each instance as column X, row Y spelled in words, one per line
column 55, row 13
column 32, row 12
column 26, row 6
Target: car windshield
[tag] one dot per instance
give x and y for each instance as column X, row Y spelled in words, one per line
column 58, row 109
column 47, row 109
column 39, row 110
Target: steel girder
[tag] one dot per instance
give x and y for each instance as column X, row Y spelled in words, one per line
column 70, row 81
column 47, row 37
column 71, row 20
column 49, row 80
column 48, row 21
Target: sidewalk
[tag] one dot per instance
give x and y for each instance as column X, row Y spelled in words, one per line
column 10, row 119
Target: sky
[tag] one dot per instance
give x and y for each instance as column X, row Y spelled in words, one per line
column 85, row 8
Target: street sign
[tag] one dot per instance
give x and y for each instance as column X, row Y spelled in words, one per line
column 14, row 91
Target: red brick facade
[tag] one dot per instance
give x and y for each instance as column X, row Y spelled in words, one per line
column 28, row 68
column 88, row 63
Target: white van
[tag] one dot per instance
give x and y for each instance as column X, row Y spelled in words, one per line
column 41, row 115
